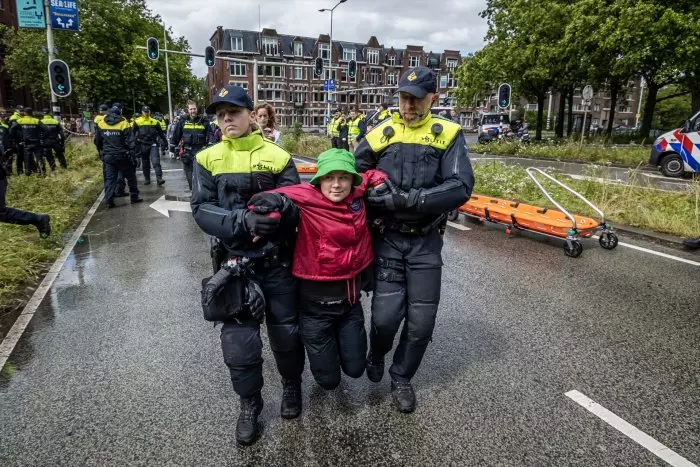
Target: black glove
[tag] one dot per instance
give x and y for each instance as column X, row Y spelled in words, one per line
column 265, row 202
column 258, row 224
column 255, row 300
column 387, row 196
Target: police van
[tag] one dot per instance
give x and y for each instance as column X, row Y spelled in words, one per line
column 678, row 151
column 490, row 125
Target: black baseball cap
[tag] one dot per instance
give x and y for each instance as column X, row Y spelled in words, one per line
column 104, row 107
column 19, row 107
column 418, row 82
column 234, row 95
column 145, row 108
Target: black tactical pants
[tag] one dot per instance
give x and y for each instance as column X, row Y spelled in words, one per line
column 241, row 343
column 15, row 216
column 34, row 159
column 408, row 275
column 334, row 337
column 187, row 158
column 114, row 168
column 150, row 155
column 19, row 152
column 59, row 150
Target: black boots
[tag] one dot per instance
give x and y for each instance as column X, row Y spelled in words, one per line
column 291, row 399
column 375, row 368
column 247, row 426
column 404, row 397
column 693, row 244
column 160, row 181
column 44, row 226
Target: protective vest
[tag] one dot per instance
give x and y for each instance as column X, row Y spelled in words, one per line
column 194, row 134
column 148, row 130
column 29, row 131
column 333, row 127
column 354, row 126
column 51, row 129
column 383, row 115
column 113, row 139
column 14, row 117
column 98, row 119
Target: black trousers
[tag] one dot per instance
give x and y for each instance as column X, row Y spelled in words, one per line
column 187, row 158
column 33, row 159
column 150, row 155
column 408, row 274
column 15, row 216
column 19, row 152
column 335, row 141
column 242, row 345
column 114, row 168
column 59, row 151
column 335, row 338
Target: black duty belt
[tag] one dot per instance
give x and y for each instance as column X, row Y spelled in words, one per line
column 383, row 225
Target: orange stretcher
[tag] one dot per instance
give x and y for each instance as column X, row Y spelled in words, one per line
column 306, row 168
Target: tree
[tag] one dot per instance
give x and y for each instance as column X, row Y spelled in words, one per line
column 672, row 108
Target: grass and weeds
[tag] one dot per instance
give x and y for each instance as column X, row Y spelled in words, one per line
column 66, row 197
column 304, row 145
column 659, row 211
column 632, row 156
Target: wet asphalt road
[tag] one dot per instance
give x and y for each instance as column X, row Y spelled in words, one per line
column 119, row 368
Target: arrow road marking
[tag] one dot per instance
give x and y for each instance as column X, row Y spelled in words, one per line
column 636, row 435
column 164, row 206
column 457, row 226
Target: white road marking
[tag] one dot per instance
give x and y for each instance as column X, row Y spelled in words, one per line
column 636, row 435
column 172, row 170
column 654, row 252
column 163, row 206
column 457, row 226
column 10, row 341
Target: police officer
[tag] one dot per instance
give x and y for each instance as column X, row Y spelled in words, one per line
column 26, row 133
column 192, row 132
column 14, row 144
column 7, row 151
column 356, row 128
column 384, row 113
column 342, row 126
column 332, row 129
column 226, row 175
column 148, row 133
column 430, row 174
column 54, row 140
column 114, row 140
column 16, row 216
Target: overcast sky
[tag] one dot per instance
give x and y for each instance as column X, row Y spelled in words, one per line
column 437, row 25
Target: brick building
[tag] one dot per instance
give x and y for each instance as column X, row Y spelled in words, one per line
column 297, row 94
column 9, row 97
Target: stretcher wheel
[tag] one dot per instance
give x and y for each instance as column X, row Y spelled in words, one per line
column 608, row 240
column 453, row 215
column 573, row 248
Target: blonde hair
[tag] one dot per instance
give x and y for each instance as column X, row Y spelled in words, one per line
column 271, row 116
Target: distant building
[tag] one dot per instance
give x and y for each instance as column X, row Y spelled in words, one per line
column 10, row 97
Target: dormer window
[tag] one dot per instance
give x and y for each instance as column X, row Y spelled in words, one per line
column 237, row 44
column 373, row 57
column 271, row 46
column 298, row 49
column 391, row 60
column 349, row 54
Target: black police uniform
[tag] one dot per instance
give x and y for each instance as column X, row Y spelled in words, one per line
column 428, row 166
column 226, row 175
column 194, row 136
column 148, row 132
column 26, row 133
column 17, row 216
column 114, row 140
column 54, row 141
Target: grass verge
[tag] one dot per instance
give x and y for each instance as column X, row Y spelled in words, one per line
column 659, row 211
column 66, row 197
column 632, row 156
column 305, row 145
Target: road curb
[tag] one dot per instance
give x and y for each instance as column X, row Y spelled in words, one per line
column 644, row 167
column 656, row 237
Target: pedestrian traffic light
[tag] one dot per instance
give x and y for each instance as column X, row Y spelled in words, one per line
column 210, row 56
column 504, row 95
column 352, row 68
column 318, row 68
column 59, row 78
column 152, row 47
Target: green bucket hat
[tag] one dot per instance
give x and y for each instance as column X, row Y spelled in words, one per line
column 336, row 159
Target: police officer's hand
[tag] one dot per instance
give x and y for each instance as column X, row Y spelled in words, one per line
column 387, row 196
column 255, row 300
column 264, row 202
column 261, row 225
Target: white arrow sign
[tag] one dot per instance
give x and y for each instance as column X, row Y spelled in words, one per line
column 163, row 206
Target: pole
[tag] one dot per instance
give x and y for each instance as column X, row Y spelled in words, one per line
column 167, row 74
column 583, row 128
column 55, row 109
column 330, row 64
column 549, row 110
column 639, row 107
column 255, row 81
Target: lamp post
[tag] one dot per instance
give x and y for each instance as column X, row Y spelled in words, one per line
column 330, row 57
column 167, row 72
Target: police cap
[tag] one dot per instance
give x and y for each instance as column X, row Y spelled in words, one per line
column 234, row 95
column 45, row 111
column 145, row 108
column 19, row 107
column 104, row 107
column 418, row 82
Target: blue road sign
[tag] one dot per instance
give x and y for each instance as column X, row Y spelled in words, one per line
column 64, row 15
column 30, row 14
column 331, row 85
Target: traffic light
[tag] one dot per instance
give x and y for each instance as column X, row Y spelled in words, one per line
column 59, row 78
column 210, row 56
column 152, row 47
column 318, row 68
column 504, row 95
column 352, row 68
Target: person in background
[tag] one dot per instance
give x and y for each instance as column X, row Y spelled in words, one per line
column 148, row 132
column 356, row 128
column 343, row 131
column 190, row 134
column 54, row 140
column 266, row 118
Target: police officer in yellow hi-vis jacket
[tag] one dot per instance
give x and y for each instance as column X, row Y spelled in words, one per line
column 226, row 175
column 429, row 174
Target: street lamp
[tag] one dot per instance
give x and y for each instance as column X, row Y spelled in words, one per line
column 330, row 56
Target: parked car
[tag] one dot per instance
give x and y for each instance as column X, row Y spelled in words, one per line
column 678, row 151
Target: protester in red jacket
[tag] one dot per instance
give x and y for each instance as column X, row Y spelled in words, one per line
column 332, row 258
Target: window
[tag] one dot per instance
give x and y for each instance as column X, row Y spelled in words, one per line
column 242, row 84
column 271, row 46
column 298, row 73
column 298, row 49
column 272, row 71
column 237, row 43
column 623, row 109
column 319, row 95
column 413, row 61
column 451, row 81
column 443, row 81
column 451, row 64
column 375, row 76
column 324, row 51
column 596, row 107
column 238, row 69
column 271, row 92
column 391, row 60
column 373, row 57
column 349, row 54
column 391, row 79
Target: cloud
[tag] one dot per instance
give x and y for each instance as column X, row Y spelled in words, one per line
column 449, row 24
